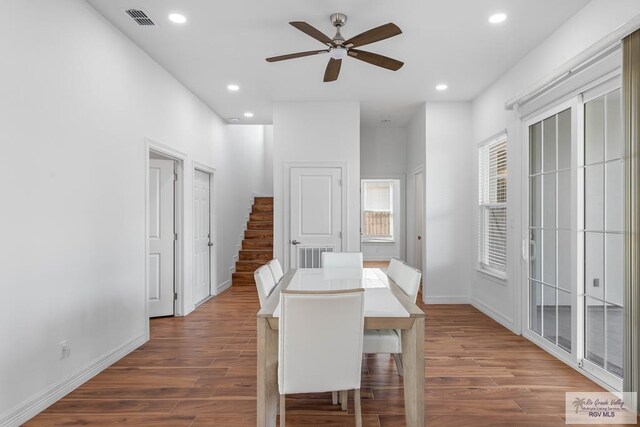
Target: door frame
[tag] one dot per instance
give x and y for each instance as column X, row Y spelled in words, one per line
column 179, row 271
column 213, row 221
column 343, row 166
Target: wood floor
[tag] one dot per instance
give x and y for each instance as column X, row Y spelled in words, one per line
column 201, row 371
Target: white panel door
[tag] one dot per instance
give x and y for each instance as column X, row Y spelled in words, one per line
column 419, row 185
column 316, row 211
column 201, row 237
column 161, row 238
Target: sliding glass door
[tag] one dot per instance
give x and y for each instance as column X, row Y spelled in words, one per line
column 575, row 233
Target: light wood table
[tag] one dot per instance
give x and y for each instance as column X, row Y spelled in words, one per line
column 386, row 307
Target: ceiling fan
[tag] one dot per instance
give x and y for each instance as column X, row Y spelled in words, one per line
column 339, row 48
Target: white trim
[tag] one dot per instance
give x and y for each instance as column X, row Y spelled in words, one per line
column 498, row 137
column 496, row 276
column 583, row 60
column 38, row 403
column 498, row 317
column 445, row 299
column 179, row 307
column 223, row 286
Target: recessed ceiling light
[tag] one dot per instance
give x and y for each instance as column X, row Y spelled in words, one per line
column 248, row 114
column 234, row 119
column 177, row 18
column 233, row 88
column 498, row 18
column 442, row 87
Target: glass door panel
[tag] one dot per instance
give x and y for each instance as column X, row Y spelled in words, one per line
column 550, row 303
column 603, row 233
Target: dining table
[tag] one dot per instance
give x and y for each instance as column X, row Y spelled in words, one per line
column 386, row 306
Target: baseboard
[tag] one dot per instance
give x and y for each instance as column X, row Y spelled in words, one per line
column 500, row 318
column 43, row 400
column 223, row 287
column 445, row 299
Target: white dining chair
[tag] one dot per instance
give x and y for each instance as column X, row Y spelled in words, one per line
column 390, row 340
column 394, row 266
column 318, row 352
column 276, row 270
column 408, row 279
column 342, row 260
column 264, row 283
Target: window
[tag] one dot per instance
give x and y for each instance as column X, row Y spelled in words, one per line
column 377, row 210
column 492, row 203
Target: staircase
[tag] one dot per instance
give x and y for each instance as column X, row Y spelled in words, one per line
column 257, row 246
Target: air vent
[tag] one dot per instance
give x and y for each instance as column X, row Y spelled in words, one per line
column 141, row 17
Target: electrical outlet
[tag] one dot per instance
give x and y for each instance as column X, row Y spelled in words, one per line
column 65, row 350
column 596, row 283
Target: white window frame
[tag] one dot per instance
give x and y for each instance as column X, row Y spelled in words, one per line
column 386, row 238
column 483, row 206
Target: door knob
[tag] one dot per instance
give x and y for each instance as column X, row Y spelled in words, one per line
column 419, row 237
column 295, row 242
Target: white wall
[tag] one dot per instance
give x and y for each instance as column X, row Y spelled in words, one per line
column 449, row 201
column 595, row 21
column 415, row 159
column 267, row 187
column 317, row 132
column 383, row 155
column 77, row 99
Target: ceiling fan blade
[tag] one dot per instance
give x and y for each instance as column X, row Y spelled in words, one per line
column 374, row 35
column 333, row 70
column 296, row 55
column 313, row 32
column 375, row 59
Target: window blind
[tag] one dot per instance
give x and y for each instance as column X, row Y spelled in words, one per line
column 492, row 204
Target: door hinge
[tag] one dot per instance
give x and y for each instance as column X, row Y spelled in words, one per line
column 175, row 236
column 175, row 296
column 340, row 234
column 339, row 183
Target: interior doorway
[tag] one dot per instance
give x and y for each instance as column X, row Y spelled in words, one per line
column 162, row 234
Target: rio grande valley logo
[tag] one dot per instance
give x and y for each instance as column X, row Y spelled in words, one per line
column 600, row 408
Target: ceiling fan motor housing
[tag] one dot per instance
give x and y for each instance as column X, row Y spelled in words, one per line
column 338, row 19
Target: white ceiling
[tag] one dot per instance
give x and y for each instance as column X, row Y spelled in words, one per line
column 446, row 41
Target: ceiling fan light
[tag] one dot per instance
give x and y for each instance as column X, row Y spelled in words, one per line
column 338, row 53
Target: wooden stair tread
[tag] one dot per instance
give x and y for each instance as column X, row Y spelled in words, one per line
column 263, row 201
